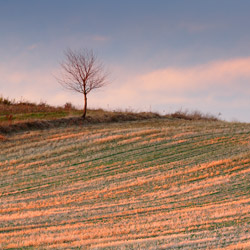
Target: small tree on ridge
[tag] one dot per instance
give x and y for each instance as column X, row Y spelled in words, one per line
column 82, row 73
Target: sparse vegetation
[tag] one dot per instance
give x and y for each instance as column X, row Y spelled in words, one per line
column 193, row 115
column 25, row 111
column 23, row 115
column 5, row 101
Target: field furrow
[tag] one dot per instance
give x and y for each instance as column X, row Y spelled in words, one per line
column 156, row 184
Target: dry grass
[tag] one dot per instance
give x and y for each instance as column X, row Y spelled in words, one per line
column 150, row 184
column 24, row 116
column 193, row 115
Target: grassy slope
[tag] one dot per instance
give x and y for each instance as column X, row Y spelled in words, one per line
column 20, row 112
column 155, row 184
column 23, row 112
column 17, row 117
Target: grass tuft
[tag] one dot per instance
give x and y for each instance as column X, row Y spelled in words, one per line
column 193, row 115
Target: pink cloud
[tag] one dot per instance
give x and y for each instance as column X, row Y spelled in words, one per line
column 220, row 86
column 219, row 73
column 34, row 85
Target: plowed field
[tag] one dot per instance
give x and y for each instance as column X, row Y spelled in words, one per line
column 156, row 184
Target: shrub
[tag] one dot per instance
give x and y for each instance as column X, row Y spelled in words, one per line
column 68, row 106
column 193, row 115
column 5, row 101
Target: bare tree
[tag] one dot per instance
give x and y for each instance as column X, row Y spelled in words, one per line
column 82, row 72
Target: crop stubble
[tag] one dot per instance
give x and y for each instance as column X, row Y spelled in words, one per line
column 143, row 185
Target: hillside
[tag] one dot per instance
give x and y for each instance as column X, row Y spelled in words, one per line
column 25, row 116
column 151, row 184
column 12, row 111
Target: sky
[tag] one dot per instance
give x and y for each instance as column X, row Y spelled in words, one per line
column 161, row 55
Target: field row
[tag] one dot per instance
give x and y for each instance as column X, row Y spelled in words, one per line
column 143, row 185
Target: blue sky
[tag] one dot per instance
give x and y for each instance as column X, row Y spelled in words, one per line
column 162, row 55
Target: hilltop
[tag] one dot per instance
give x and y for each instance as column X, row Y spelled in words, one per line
column 24, row 115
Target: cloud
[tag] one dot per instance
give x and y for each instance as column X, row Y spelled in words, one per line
column 219, row 86
column 34, row 85
column 220, row 74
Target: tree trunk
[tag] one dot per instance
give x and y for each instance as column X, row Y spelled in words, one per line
column 85, row 107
